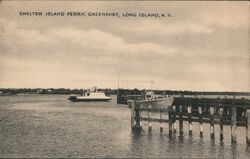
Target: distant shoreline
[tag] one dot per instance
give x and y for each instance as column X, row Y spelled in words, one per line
column 109, row 91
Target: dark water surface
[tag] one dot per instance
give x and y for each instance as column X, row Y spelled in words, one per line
column 51, row 126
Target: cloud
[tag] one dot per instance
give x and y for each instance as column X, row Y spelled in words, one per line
column 91, row 43
column 170, row 28
column 230, row 15
column 199, row 49
column 12, row 33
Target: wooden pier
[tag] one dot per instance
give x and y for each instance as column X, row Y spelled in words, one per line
column 233, row 112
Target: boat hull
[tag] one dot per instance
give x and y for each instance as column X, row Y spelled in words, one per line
column 161, row 103
column 89, row 100
column 77, row 99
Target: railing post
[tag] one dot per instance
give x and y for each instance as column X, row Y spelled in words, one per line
column 149, row 117
column 181, row 120
column 212, row 122
column 190, row 119
column 221, row 124
column 233, row 124
column 174, row 118
column 248, row 126
column 200, row 121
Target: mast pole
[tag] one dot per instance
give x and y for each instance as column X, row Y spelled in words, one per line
column 118, row 82
column 151, row 82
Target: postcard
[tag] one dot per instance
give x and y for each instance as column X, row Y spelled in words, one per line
column 54, row 53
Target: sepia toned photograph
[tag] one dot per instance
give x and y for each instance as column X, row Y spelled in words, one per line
column 124, row 79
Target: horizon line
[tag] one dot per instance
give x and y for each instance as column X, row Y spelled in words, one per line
column 123, row 88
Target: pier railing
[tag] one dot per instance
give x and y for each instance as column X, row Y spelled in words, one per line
column 233, row 112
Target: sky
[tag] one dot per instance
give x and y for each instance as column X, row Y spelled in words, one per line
column 202, row 46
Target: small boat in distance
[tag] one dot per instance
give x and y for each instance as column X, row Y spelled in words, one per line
column 92, row 96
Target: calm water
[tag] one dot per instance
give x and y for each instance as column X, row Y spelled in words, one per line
column 51, row 126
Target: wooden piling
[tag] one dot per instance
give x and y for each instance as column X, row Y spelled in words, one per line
column 170, row 121
column 200, row 121
column 233, row 124
column 132, row 104
column 212, row 122
column 137, row 118
column 221, row 124
column 149, row 118
column 161, row 126
column 181, row 120
column 174, row 118
column 190, row 119
column 248, row 126
column 140, row 113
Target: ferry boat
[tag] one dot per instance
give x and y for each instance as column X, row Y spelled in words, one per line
column 94, row 96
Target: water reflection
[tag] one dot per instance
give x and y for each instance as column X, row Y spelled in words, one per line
column 172, row 138
column 190, row 139
column 181, row 139
column 150, row 135
column 155, row 144
column 136, row 150
column 234, row 150
column 221, row 151
column 248, row 148
column 212, row 141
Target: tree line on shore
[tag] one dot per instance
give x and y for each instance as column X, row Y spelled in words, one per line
column 109, row 91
